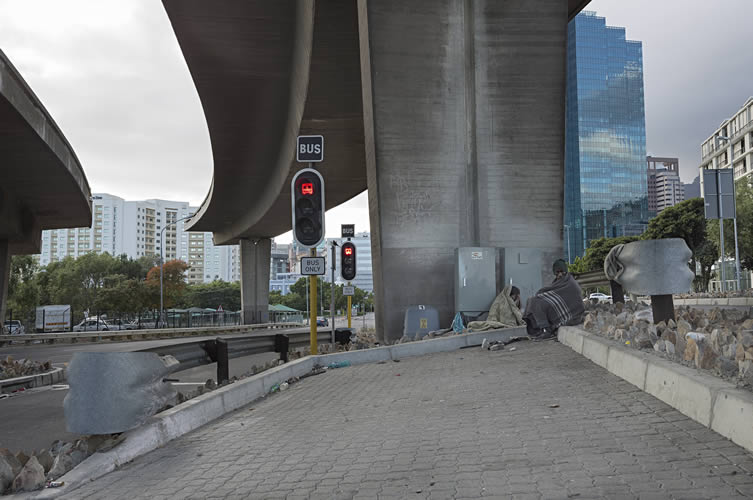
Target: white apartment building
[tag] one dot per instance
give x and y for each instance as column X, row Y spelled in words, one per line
column 715, row 152
column 136, row 228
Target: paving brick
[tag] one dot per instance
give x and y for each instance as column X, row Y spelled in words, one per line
column 474, row 423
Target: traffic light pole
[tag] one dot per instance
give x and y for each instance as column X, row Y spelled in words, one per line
column 332, row 288
column 312, row 318
column 349, row 307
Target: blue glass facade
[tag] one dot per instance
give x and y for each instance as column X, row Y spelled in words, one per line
column 606, row 190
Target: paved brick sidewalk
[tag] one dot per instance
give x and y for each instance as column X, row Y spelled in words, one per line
column 466, row 424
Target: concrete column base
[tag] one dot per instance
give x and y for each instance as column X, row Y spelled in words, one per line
column 4, row 278
column 255, row 258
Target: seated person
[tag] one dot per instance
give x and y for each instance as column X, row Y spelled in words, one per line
column 515, row 295
column 555, row 305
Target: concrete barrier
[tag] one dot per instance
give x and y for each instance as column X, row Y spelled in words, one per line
column 711, row 401
column 201, row 410
column 31, row 381
column 718, row 302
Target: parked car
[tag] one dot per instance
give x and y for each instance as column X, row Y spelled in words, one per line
column 322, row 322
column 121, row 324
column 13, row 327
column 600, row 297
column 92, row 325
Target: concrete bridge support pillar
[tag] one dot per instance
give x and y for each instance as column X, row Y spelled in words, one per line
column 464, row 112
column 255, row 258
column 4, row 278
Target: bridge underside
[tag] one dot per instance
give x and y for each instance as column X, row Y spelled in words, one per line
column 43, row 185
column 451, row 113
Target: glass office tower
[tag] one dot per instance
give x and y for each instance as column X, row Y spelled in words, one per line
column 606, row 190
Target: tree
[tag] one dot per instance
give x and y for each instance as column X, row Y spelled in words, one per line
column 23, row 288
column 597, row 251
column 214, row 294
column 174, row 283
column 685, row 220
column 744, row 206
column 578, row 266
column 706, row 256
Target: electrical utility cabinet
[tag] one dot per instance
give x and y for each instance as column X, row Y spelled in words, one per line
column 523, row 267
column 475, row 279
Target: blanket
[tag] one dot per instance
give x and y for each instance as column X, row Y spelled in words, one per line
column 503, row 313
column 555, row 305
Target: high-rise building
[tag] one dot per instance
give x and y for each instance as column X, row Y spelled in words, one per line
column 606, row 192
column 738, row 133
column 664, row 186
column 135, row 228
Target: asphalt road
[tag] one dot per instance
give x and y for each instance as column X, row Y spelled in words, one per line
column 33, row 419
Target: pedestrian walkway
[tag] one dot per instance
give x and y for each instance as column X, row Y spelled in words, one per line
column 539, row 422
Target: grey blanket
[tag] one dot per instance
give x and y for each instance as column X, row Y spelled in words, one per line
column 555, row 305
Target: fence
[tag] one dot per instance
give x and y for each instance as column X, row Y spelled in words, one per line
column 145, row 320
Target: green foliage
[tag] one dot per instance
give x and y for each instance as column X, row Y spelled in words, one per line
column 685, row 220
column 23, row 289
column 94, row 282
column 173, row 284
column 215, row 294
column 597, row 251
column 578, row 266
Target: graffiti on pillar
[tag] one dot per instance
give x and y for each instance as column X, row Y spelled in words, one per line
column 412, row 204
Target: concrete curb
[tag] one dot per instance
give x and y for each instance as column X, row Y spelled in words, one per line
column 721, row 301
column 31, row 381
column 708, row 400
column 201, row 410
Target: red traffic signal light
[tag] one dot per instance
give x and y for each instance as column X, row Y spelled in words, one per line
column 348, row 261
column 307, row 198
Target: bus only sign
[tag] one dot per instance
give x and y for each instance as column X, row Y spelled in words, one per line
column 312, row 266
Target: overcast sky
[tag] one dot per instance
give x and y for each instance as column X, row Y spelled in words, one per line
column 112, row 75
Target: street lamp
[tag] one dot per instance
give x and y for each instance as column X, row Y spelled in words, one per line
column 162, row 265
column 567, row 226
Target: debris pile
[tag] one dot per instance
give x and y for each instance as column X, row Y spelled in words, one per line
column 719, row 341
column 22, row 473
column 11, row 368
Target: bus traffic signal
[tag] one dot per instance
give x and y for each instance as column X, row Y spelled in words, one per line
column 348, row 261
column 307, row 195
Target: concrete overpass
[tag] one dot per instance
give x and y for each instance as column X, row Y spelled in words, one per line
column 44, row 186
column 451, row 114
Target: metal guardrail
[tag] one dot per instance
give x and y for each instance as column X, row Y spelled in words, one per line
column 222, row 349
column 592, row 279
column 126, row 335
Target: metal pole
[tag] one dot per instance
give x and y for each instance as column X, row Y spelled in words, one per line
column 722, row 274
column 569, row 260
column 349, row 306
column 332, row 289
column 737, row 255
column 312, row 317
column 161, row 267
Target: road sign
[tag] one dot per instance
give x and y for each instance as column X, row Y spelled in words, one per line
column 349, row 291
column 719, row 193
column 312, row 266
column 348, row 230
column 309, row 148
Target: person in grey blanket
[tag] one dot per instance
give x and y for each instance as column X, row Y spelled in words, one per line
column 559, row 304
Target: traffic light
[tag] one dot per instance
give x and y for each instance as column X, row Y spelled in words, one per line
column 307, row 195
column 348, row 261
